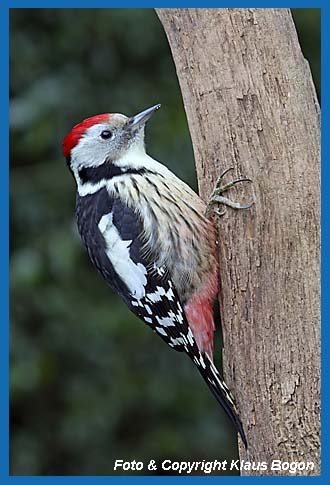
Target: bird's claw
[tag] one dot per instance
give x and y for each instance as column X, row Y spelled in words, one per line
column 218, row 212
column 217, row 197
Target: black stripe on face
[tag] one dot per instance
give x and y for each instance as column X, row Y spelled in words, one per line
column 106, row 171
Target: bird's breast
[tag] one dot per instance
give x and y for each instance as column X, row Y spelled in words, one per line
column 175, row 229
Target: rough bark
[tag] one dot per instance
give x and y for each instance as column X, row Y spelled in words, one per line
column 251, row 104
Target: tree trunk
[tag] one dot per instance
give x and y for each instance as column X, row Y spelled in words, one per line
column 251, row 104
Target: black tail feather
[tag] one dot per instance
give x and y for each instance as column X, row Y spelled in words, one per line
column 221, row 392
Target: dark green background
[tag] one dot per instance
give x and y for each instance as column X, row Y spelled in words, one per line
column 89, row 382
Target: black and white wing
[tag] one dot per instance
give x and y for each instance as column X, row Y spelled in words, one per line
column 113, row 235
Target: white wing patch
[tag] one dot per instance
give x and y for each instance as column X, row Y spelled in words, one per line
column 177, row 341
column 166, row 321
column 132, row 274
column 159, row 293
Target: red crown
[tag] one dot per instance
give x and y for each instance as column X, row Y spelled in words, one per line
column 71, row 140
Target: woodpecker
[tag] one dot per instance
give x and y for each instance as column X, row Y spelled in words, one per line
column 147, row 233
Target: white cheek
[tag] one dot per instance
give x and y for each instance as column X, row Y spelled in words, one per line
column 90, row 153
column 92, row 150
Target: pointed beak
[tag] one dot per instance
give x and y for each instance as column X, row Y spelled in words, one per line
column 143, row 117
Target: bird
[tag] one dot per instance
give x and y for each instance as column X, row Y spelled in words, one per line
column 151, row 237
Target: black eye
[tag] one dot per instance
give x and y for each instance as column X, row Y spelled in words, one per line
column 106, row 134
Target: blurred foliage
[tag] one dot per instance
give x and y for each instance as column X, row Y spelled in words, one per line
column 89, row 382
column 308, row 24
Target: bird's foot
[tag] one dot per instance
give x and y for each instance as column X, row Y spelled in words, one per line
column 217, row 198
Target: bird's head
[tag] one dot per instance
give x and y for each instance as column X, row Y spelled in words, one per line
column 105, row 137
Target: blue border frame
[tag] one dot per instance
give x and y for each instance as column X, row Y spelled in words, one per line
column 4, row 215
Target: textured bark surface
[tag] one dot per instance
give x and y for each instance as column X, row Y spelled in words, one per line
column 251, row 104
